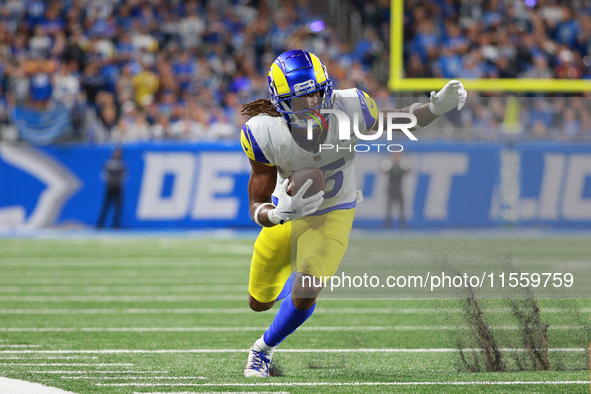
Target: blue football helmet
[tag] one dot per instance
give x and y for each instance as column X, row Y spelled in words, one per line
column 294, row 74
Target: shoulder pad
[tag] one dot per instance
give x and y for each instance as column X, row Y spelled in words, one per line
column 356, row 100
column 369, row 109
column 254, row 139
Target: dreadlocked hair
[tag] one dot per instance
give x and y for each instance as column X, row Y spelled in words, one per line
column 260, row 106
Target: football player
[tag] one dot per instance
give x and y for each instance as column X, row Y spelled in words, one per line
column 305, row 235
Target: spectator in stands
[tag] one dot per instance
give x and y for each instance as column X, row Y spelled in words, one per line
column 571, row 125
column 159, row 130
column 3, row 110
column 567, row 65
column 41, row 90
column 132, row 126
column 540, row 69
column 541, row 113
column 474, row 66
column 449, row 65
column 40, row 44
column 145, row 85
column 191, row 27
column 108, row 117
column 415, row 67
column 539, row 131
column 585, row 132
column 92, row 82
column 66, row 85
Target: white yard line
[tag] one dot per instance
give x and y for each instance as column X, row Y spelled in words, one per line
column 95, row 276
column 188, row 279
column 315, row 350
column 113, row 311
column 118, row 311
column 103, row 372
column 123, row 298
column 42, row 263
column 239, row 329
column 211, row 392
column 134, row 377
column 346, row 384
column 65, row 364
column 122, row 290
column 221, row 297
column 49, row 358
column 200, row 252
column 245, row 310
column 130, row 285
column 16, row 346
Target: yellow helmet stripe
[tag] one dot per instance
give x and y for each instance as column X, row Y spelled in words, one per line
column 318, row 69
column 279, row 79
column 373, row 108
column 369, row 109
column 251, row 147
column 246, row 144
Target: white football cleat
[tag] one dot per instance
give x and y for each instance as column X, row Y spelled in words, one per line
column 258, row 363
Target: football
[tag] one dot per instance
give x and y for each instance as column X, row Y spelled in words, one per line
column 299, row 177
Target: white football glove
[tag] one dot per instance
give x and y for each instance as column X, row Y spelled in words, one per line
column 294, row 207
column 452, row 95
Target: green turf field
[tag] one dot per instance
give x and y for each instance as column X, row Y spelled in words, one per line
column 135, row 315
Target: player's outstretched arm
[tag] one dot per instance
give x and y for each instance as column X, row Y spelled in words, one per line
column 451, row 96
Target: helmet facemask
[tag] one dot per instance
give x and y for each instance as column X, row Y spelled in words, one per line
column 300, row 88
column 296, row 108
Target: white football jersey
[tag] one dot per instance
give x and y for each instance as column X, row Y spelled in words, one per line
column 267, row 139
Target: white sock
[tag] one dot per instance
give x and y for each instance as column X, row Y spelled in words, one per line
column 262, row 346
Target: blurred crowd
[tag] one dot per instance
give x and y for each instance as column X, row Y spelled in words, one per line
column 492, row 39
column 498, row 39
column 532, row 118
column 137, row 70
column 539, row 39
column 144, row 70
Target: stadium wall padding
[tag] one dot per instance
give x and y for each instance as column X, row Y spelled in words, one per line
column 204, row 185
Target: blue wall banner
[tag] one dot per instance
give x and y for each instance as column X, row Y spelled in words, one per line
column 42, row 126
column 204, row 185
